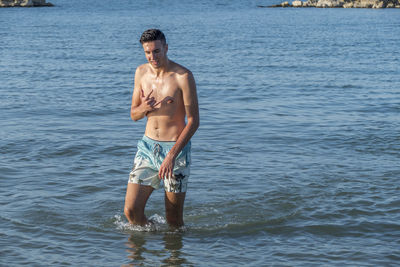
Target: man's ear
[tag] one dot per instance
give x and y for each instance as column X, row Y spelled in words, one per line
column 166, row 48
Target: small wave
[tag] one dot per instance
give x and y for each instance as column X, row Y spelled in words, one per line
column 158, row 224
column 347, row 86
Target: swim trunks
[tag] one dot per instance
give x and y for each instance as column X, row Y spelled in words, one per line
column 148, row 159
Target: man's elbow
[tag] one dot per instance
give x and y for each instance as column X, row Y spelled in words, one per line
column 195, row 123
column 133, row 117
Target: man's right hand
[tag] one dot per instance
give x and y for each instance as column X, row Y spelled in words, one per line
column 148, row 103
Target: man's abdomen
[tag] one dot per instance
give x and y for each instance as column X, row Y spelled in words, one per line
column 163, row 128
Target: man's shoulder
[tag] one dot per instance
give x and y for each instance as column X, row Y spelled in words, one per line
column 142, row 68
column 141, row 72
column 184, row 76
column 180, row 70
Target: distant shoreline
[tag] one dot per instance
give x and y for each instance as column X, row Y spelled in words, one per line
column 24, row 3
column 341, row 4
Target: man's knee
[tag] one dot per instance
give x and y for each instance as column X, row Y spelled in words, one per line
column 133, row 213
column 172, row 212
column 174, row 216
column 174, row 208
column 128, row 212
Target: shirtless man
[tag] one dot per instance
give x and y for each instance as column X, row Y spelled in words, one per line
column 165, row 93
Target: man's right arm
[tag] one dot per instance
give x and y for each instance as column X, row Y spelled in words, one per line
column 141, row 104
column 136, row 112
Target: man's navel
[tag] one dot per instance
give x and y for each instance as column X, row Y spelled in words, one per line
column 155, row 127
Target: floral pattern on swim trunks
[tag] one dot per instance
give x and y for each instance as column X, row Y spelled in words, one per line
column 148, row 159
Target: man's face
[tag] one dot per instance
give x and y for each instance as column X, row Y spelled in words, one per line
column 156, row 53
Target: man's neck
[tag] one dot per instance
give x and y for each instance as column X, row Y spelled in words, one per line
column 159, row 72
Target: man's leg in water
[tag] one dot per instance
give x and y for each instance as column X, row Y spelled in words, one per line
column 135, row 202
column 174, row 208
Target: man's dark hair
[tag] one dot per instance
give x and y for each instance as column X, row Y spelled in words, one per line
column 153, row 35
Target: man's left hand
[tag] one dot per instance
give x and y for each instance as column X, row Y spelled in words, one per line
column 167, row 168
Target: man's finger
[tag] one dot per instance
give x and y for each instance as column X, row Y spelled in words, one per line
column 158, row 103
column 141, row 90
column 148, row 96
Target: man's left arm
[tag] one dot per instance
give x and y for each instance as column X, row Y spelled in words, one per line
column 189, row 94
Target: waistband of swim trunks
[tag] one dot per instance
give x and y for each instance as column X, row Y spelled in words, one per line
column 152, row 141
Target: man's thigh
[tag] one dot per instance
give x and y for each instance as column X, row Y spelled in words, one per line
column 137, row 195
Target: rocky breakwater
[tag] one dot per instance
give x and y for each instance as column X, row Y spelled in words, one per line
column 24, row 3
column 341, row 4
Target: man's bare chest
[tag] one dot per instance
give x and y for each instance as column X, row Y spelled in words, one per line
column 161, row 89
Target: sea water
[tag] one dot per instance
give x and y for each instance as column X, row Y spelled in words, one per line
column 296, row 161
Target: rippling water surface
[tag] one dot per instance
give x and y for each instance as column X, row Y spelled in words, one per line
column 296, row 161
